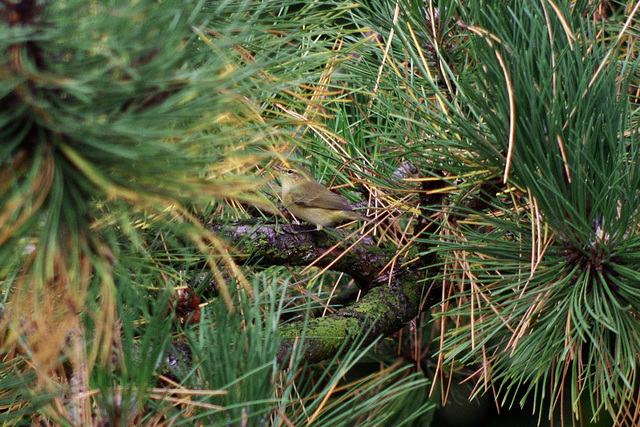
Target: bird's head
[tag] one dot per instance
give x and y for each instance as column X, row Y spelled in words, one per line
column 291, row 175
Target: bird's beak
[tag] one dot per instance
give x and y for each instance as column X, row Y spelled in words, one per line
column 282, row 169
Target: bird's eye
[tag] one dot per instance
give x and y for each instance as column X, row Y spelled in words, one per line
column 290, row 172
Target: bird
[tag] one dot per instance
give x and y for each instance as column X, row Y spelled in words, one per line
column 311, row 201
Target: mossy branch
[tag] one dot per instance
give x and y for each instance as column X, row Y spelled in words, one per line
column 296, row 246
column 393, row 296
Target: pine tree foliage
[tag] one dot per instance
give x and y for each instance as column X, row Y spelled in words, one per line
column 124, row 123
column 541, row 272
column 494, row 145
column 531, row 131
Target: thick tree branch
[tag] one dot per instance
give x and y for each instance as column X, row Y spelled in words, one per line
column 393, row 299
column 294, row 245
column 382, row 312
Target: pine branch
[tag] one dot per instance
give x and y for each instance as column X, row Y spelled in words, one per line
column 381, row 312
column 296, row 246
column 394, row 295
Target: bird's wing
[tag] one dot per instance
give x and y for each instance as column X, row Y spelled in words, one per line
column 325, row 199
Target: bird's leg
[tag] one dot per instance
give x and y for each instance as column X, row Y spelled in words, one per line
column 318, row 228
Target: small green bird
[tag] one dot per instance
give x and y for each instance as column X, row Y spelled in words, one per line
column 311, row 201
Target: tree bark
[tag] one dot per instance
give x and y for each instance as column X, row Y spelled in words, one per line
column 393, row 296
